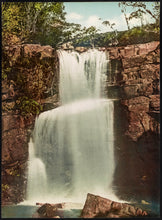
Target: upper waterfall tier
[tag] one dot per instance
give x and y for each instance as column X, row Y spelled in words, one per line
column 81, row 74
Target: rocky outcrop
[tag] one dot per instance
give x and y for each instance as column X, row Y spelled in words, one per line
column 81, row 49
column 99, row 207
column 58, row 210
column 143, row 73
column 135, row 80
column 49, row 211
column 67, row 46
column 32, row 77
column 94, row 207
column 33, row 69
column 131, row 50
column 140, row 116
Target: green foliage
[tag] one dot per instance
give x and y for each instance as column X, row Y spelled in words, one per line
column 136, row 35
column 28, row 106
column 138, row 9
column 5, row 66
column 14, row 172
column 85, row 36
column 12, row 17
column 4, row 187
column 33, row 22
column 111, row 38
column 107, row 23
column 5, row 72
column 4, row 75
column 44, row 23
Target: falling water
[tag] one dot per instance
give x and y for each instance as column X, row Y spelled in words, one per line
column 36, row 172
column 73, row 143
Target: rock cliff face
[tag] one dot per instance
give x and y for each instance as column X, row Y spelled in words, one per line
column 32, row 78
column 135, row 83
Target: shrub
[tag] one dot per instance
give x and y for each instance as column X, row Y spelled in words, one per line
column 27, row 106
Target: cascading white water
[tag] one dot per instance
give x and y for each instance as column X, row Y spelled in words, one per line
column 74, row 142
column 37, row 178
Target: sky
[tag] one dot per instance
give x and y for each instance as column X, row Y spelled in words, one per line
column 88, row 13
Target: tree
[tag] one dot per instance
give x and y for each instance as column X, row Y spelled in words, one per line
column 139, row 9
column 37, row 22
column 113, row 37
column 91, row 33
column 45, row 22
column 86, row 36
column 12, row 22
column 123, row 6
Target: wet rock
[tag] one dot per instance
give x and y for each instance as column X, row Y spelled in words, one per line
column 96, row 206
column 36, row 215
column 144, row 213
column 67, row 46
column 81, row 49
column 101, row 48
column 56, row 205
column 140, row 103
column 50, row 211
column 47, row 210
column 50, row 102
column 139, row 212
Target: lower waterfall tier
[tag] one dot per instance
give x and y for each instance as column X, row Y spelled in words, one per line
column 74, row 143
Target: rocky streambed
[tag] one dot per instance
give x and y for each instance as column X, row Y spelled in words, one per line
column 94, row 207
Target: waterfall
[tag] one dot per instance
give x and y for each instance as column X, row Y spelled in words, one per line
column 37, row 179
column 73, row 144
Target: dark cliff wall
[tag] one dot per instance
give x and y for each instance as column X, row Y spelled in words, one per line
column 135, row 85
column 31, row 86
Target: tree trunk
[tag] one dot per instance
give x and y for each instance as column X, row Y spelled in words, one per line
column 127, row 21
column 28, row 20
column 35, row 21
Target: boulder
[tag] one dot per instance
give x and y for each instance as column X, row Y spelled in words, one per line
column 50, row 211
column 57, row 205
column 96, row 206
column 47, row 210
column 67, row 46
column 81, row 49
